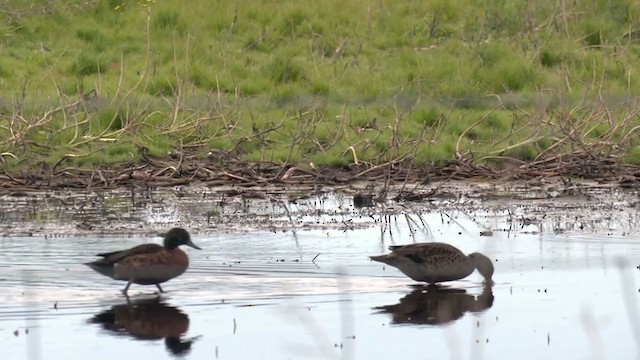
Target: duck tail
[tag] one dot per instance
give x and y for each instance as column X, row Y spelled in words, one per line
column 102, row 268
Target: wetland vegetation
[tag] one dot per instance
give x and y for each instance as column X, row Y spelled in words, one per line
column 107, row 92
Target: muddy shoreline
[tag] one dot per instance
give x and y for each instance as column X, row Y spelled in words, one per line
column 223, row 169
column 550, row 204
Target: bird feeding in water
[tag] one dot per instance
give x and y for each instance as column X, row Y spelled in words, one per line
column 436, row 262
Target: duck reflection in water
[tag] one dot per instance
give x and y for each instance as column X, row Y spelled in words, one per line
column 148, row 319
column 436, row 305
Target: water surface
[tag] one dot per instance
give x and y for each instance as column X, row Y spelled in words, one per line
column 566, row 286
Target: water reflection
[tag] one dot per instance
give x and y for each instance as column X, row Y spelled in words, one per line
column 436, row 305
column 148, row 319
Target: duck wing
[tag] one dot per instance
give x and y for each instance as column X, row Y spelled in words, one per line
column 117, row 256
column 429, row 253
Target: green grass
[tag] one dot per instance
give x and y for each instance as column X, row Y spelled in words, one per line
column 303, row 82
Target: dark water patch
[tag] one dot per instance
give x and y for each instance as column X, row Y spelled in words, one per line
column 436, row 305
column 147, row 320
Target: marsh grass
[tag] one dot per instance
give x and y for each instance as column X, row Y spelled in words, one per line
column 95, row 83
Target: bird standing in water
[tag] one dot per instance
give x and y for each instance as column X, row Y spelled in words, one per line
column 147, row 264
column 436, row 262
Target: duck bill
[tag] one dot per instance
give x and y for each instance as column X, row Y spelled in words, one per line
column 190, row 243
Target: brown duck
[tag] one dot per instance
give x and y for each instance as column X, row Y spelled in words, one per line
column 147, row 264
column 436, row 262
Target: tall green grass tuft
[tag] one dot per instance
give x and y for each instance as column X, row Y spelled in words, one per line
column 284, row 69
column 88, row 64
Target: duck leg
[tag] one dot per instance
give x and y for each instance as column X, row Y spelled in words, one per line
column 126, row 288
column 159, row 288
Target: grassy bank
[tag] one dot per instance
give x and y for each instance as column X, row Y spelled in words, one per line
column 91, row 83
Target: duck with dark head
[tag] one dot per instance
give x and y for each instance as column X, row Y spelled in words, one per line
column 147, row 264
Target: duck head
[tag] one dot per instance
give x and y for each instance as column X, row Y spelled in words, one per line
column 176, row 237
column 484, row 266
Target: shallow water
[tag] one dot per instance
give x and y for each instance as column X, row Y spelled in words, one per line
column 566, row 286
